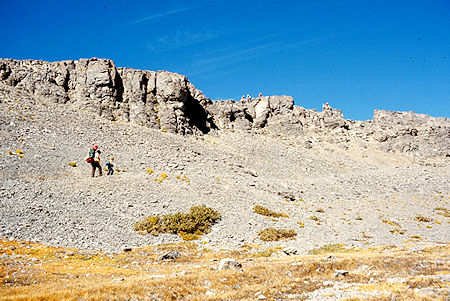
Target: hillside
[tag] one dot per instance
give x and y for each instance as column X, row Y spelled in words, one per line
column 351, row 183
column 379, row 182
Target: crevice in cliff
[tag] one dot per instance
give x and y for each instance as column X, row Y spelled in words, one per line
column 65, row 84
column 119, row 87
column 197, row 116
column 143, row 85
column 248, row 116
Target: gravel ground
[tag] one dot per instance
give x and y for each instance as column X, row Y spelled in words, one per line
column 359, row 195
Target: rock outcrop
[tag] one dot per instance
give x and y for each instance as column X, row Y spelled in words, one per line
column 409, row 132
column 169, row 102
column 161, row 100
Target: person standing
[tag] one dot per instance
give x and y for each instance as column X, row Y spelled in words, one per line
column 110, row 165
column 94, row 156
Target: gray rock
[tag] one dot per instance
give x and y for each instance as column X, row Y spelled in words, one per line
column 290, row 251
column 170, row 255
column 229, row 263
column 338, row 273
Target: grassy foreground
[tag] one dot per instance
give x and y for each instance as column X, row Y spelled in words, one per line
column 31, row 271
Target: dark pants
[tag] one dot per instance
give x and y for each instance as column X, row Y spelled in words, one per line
column 110, row 170
column 94, row 166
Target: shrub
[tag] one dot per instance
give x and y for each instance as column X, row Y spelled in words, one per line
column 267, row 212
column 188, row 226
column 151, row 224
column 271, row 234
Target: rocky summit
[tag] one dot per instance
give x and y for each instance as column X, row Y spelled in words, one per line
column 358, row 183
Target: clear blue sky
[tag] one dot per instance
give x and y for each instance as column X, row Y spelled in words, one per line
column 357, row 55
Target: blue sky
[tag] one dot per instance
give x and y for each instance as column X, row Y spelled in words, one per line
column 357, row 55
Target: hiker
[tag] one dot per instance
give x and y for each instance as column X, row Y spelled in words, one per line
column 110, row 165
column 326, row 106
column 96, row 163
column 248, row 97
column 94, row 159
column 242, row 98
column 260, row 95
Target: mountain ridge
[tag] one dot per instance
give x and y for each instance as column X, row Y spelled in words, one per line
column 169, row 102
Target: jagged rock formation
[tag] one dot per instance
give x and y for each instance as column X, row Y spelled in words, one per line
column 168, row 101
column 160, row 99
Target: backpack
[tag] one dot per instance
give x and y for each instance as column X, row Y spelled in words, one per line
column 91, row 156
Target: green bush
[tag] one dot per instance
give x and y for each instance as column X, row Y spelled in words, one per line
column 188, row 226
column 332, row 248
column 267, row 212
column 271, row 234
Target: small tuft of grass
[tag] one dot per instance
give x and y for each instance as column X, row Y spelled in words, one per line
column 315, row 218
column 442, row 211
column 397, row 231
column 272, row 234
column 188, row 226
column 421, row 218
column 416, row 237
column 264, row 253
column 150, row 170
column 73, row 164
column 267, row 212
column 391, row 223
column 320, row 210
column 331, row 248
column 364, row 235
column 183, row 178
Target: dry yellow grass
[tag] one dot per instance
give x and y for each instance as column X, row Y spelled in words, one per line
column 30, row 271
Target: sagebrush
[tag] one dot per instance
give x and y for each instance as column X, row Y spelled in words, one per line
column 188, row 226
column 272, row 234
column 267, row 212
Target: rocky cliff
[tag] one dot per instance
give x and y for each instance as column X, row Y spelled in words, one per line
column 160, row 99
column 168, row 101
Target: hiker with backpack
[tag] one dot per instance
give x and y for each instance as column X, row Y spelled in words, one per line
column 94, row 160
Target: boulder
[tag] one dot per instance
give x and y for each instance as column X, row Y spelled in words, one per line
column 171, row 255
column 229, row 263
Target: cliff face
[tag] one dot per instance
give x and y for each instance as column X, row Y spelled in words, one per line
column 168, row 101
column 160, row 99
